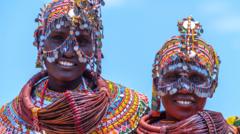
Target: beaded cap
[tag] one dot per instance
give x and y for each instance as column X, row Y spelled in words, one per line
column 81, row 14
column 187, row 52
column 189, row 47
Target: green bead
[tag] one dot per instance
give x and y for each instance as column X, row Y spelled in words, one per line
column 237, row 123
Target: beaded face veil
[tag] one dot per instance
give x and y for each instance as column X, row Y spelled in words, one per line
column 186, row 53
column 78, row 16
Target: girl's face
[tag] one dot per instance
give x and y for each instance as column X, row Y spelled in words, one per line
column 184, row 103
column 67, row 66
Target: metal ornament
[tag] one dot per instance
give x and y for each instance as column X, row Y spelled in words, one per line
column 187, row 52
column 79, row 15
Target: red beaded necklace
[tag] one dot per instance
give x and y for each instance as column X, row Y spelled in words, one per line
column 82, row 111
column 204, row 122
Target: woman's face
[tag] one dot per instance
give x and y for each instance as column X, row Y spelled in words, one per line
column 180, row 106
column 183, row 103
column 67, row 66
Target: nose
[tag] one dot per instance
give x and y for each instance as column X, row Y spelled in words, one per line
column 184, row 74
column 184, row 86
column 184, row 91
column 68, row 51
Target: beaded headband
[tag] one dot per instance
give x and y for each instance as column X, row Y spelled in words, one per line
column 188, row 47
column 83, row 15
column 185, row 52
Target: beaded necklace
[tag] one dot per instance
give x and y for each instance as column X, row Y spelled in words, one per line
column 82, row 111
column 204, row 122
column 45, row 95
column 125, row 107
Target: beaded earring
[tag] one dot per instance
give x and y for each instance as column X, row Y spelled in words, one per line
column 156, row 102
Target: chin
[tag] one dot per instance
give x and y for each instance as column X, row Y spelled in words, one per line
column 183, row 114
column 180, row 113
column 66, row 76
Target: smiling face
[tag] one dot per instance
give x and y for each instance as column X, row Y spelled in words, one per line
column 67, row 66
column 184, row 103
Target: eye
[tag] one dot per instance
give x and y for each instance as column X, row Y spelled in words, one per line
column 197, row 78
column 171, row 77
column 84, row 41
column 57, row 38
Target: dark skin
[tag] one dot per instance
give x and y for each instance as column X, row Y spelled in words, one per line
column 176, row 111
column 62, row 78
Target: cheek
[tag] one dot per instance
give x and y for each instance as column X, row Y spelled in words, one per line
column 201, row 103
column 51, row 45
column 63, row 75
column 177, row 112
column 88, row 51
column 168, row 104
column 49, row 66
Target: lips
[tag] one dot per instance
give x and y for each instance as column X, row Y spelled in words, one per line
column 66, row 64
column 184, row 99
column 184, row 102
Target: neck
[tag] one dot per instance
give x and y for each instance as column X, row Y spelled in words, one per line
column 170, row 118
column 62, row 86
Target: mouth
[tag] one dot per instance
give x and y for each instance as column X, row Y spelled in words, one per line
column 185, row 100
column 66, row 64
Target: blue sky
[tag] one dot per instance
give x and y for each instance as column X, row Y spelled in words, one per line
column 134, row 31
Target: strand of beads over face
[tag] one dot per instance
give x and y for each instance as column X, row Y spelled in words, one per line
column 78, row 18
column 188, row 54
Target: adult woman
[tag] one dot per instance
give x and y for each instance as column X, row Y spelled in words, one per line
column 69, row 95
column 185, row 73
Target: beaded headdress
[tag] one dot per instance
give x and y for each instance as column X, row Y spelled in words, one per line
column 81, row 14
column 186, row 52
